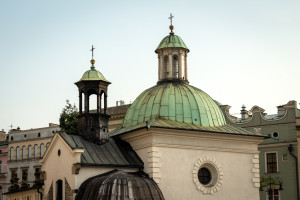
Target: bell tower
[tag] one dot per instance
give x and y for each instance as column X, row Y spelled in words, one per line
column 93, row 124
column 172, row 58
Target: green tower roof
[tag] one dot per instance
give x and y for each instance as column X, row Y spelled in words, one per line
column 175, row 101
column 93, row 75
column 171, row 41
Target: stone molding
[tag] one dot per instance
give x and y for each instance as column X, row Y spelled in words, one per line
column 217, row 175
column 154, row 164
column 244, row 151
column 255, row 171
column 50, row 193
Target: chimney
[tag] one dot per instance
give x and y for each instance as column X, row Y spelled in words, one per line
column 280, row 111
column 244, row 113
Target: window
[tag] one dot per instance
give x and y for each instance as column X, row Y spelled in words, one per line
column 14, row 176
column 273, row 194
column 166, row 66
column 271, row 162
column 18, row 153
column 284, row 156
column 29, row 151
column 42, row 150
column 204, row 176
column 24, row 175
column 36, row 151
column 275, row 134
column 47, row 145
column 23, row 152
column 12, row 152
column 209, row 175
column 38, row 176
column 175, row 66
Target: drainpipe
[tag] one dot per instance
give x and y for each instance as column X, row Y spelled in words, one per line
column 41, row 194
column 290, row 148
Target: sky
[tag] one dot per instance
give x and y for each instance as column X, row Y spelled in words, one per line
column 241, row 52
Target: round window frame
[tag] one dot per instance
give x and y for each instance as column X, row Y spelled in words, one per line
column 216, row 175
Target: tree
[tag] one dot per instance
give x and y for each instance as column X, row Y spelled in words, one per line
column 69, row 119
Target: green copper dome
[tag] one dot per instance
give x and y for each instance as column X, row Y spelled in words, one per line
column 175, row 101
column 93, row 75
column 171, row 41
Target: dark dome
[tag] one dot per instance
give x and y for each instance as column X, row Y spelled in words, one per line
column 120, row 185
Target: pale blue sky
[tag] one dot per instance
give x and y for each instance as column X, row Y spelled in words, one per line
column 241, row 52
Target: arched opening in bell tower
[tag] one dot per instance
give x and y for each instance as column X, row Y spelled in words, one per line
column 103, row 102
column 93, row 102
column 81, row 100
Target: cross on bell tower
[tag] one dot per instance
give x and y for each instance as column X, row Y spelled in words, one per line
column 93, row 124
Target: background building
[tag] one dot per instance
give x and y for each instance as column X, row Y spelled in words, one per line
column 3, row 168
column 25, row 149
column 278, row 154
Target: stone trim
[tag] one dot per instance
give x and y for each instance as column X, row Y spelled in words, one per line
column 217, row 175
column 68, row 191
column 244, row 151
column 154, row 164
column 50, row 193
column 255, row 171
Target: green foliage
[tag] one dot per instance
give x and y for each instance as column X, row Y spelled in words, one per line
column 270, row 181
column 68, row 119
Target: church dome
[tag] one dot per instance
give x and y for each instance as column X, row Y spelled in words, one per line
column 171, row 41
column 118, row 184
column 93, row 75
column 176, row 101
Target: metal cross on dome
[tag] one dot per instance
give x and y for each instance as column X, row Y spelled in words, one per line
column 92, row 51
column 171, row 18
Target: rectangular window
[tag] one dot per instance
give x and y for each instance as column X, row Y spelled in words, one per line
column 24, row 175
column 284, row 156
column 14, row 175
column 271, row 162
column 274, row 195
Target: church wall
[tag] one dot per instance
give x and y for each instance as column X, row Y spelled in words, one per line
column 59, row 167
column 178, row 165
column 173, row 157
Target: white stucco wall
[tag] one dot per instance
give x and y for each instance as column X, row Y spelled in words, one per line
column 170, row 157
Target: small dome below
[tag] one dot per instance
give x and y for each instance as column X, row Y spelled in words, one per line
column 93, row 75
column 118, row 184
column 171, row 41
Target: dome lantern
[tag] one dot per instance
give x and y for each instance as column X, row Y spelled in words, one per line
column 172, row 58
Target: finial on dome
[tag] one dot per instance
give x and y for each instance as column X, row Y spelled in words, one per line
column 171, row 26
column 92, row 61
